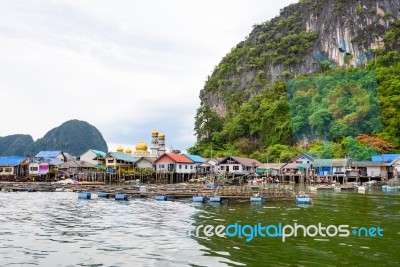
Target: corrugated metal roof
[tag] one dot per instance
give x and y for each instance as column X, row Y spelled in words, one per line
column 195, row 158
column 99, row 153
column 178, row 158
column 122, row 156
column 12, row 160
column 76, row 164
column 53, row 161
column 149, row 159
column 305, row 155
column 368, row 164
column 330, row 162
column 48, row 154
column 385, row 157
column 276, row 166
column 244, row 161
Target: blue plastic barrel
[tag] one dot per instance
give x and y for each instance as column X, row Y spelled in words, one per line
column 199, row 199
column 121, row 197
column 84, row 195
column 103, row 195
column 257, row 199
column 303, row 200
column 215, row 199
column 161, row 198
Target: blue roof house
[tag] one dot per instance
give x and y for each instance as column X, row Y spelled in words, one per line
column 385, row 158
column 13, row 165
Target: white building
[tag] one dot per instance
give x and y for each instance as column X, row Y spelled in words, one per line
column 175, row 163
column 237, row 165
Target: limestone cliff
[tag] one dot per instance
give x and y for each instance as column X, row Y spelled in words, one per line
column 303, row 39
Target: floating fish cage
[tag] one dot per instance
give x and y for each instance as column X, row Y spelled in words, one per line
column 303, row 199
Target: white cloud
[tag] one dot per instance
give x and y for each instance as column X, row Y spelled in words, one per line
column 126, row 67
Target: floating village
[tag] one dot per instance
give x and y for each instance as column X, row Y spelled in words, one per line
column 155, row 173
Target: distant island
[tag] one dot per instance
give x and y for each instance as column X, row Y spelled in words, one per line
column 74, row 137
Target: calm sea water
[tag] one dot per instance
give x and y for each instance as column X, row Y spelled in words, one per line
column 57, row 229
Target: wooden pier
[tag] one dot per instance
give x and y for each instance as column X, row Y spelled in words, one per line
column 172, row 191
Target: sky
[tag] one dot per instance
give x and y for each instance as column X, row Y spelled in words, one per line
column 125, row 66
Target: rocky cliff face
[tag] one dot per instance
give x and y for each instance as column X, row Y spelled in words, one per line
column 305, row 38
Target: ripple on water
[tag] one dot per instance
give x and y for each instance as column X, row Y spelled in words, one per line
column 49, row 229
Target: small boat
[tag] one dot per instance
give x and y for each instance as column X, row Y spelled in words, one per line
column 303, row 199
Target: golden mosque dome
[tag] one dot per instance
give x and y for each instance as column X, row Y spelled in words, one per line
column 154, row 133
column 161, row 135
column 128, row 151
column 141, row 146
column 120, row 149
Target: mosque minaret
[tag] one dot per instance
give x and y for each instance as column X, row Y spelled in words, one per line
column 141, row 149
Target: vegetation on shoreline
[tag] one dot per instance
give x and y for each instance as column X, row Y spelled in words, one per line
column 264, row 128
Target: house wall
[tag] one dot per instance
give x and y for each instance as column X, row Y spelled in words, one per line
column 373, row 171
column 232, row 168
column 175, row 167
column 116, row 164
column 144, row 164
column 38, row 168
column 162, row 166
column 110, row 162
column 303, row 160
column 339, row 170
column 185, row 168
column 61, row 157
column 7, row 170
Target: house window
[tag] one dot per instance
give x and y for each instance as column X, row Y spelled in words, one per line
column 186, row 167
column 33, row 169
column 7, row 170
column 110, row 161
column 1, row 169
column 235, row 168
column 191, row 167
column 180, row 166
